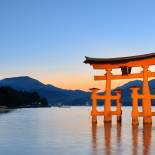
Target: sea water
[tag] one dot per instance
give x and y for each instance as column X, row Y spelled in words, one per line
column 69, row 131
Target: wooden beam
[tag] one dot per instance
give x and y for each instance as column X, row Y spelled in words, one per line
column 140, row 114
column 135, row 63
column 101, row 113
column 103, row 97
column 129, row 76
column 152, row 97
column 100, row 97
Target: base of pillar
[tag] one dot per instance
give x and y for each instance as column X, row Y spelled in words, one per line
column 94, row 119
column 147, row 120
column 119, row 119
column 107, row 119
column 107, row 126
column 135, row 121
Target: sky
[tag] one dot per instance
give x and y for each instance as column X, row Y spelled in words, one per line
column 49, row 39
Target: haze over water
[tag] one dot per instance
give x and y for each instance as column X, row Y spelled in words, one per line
column 59, row 131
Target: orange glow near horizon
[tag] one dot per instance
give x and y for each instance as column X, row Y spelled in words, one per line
column 66, row 81
column 81, row 83
column 82, row 80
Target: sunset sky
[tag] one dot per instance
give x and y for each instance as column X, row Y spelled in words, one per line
column 48, row 39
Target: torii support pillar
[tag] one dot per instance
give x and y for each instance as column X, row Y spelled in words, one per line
column 94, row 104
column 135, row 97
column 147, row 114
column 118, row 93
column 107, row 103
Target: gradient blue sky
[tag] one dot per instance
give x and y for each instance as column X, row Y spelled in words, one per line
column 48, row 39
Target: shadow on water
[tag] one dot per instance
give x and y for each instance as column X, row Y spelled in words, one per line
column 5, row 110
column 113, row 141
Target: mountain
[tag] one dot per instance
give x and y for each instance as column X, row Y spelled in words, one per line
column 54, row 95
column 126, row 92
column 58, row 96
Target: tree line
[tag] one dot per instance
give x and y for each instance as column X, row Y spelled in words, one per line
column 12, row 98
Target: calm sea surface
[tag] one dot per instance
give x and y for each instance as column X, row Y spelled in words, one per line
column 68, row 131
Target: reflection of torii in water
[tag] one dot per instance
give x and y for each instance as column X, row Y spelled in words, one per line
column 125, row 64
column 108, row 139
column 146, row 132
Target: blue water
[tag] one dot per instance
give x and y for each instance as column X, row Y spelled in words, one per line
column 68, row 131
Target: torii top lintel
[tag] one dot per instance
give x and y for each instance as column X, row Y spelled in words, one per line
column 130, row 61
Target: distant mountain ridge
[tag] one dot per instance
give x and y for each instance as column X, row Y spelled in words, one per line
column 57, row 96
column 53, row 94
column 126, row 92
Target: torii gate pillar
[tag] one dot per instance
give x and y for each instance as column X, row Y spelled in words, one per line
column 147, row 115
column 94, row 104
column 107, row 105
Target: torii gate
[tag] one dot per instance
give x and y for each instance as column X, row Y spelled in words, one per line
column 125, row 64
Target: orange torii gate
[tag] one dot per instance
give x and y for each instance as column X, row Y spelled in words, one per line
column 125, row 64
